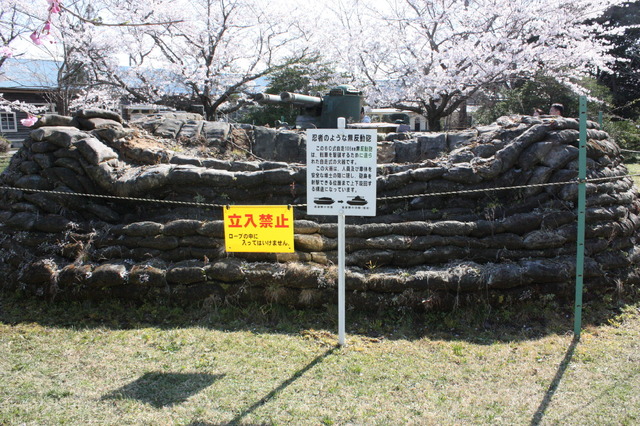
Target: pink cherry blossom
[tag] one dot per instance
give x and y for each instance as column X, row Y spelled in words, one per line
column 40, row 36
column 54, row 6
column 5, row 51
column 35, row 37
column 29, row 121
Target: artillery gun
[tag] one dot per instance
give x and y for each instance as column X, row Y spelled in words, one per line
column 315, row 112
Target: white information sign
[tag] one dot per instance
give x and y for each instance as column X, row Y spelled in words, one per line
column 341, row 171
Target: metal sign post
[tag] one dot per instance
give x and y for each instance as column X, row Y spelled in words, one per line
column 600, row 120
column 582, row 201
column 341, row 279
column 341, row 181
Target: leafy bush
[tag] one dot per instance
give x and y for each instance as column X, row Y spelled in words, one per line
column 523, row 96
column 4, row 144
column 627, row 134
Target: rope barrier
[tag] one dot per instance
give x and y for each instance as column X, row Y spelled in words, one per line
column 505, row 188
column 113, row 197
column 396, row 197
column 471, row 191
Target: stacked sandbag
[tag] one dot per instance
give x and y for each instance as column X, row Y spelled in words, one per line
column 445, row 231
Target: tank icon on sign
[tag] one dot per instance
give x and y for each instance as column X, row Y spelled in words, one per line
column 357, row 201
column 324, row 201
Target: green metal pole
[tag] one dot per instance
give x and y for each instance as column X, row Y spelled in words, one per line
column 582, row 201
column 600, row 119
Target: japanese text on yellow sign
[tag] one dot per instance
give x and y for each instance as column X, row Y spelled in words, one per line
column 258, row 229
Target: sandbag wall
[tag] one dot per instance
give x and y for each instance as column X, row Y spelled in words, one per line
column 429, row 246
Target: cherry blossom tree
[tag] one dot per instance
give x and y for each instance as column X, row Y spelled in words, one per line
column 208, row 50
column 10, row 29
column 221, row 47
column 17, row 20
column 86, row 39
column 428, row 56
column 431, row 56
column 98, row 47
column 26, row 29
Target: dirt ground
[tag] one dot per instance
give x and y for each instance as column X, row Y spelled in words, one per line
column 236, row 147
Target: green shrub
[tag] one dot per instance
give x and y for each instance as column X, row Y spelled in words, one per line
column 627, row 134
column 4, row 144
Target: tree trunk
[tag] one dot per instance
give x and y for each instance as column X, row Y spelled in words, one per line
column 209, row 108
column 433, row 121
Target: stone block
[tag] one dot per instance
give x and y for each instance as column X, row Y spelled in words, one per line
column 264, row 143
column 55, row 120
column 94, row 151
column 433, row 146
column 99, row 113
column 109, row 275
column 407, row 151
column 59, row 136
column 215, row 131
column 190, row 129
column 168, row 128
column 186, row 275
column 41, row 271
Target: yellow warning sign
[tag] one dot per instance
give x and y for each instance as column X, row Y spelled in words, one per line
column 258, row 229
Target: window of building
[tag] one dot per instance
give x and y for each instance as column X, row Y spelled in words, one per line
column 8, row 122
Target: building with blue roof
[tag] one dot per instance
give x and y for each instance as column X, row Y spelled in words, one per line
column 32, row 81
column 36, row 82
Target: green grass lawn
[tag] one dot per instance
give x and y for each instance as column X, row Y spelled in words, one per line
column 5, row 158
column 634, row 169
column 112, row 364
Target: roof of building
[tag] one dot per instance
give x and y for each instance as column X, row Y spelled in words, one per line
column 19, row 73
column 42, row 74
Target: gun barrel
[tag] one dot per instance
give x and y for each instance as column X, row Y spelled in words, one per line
column 266, row 98
column 298, row 99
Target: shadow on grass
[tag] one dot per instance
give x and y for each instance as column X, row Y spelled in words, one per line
column 479, row 324
column 553, row 387
column 622, row 382
column 274, row 393
column 164, row 389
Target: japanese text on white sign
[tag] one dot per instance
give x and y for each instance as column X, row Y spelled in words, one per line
column 341, row 171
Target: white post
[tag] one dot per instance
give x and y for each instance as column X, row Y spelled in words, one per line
column 341, row 280
column 341, row 264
